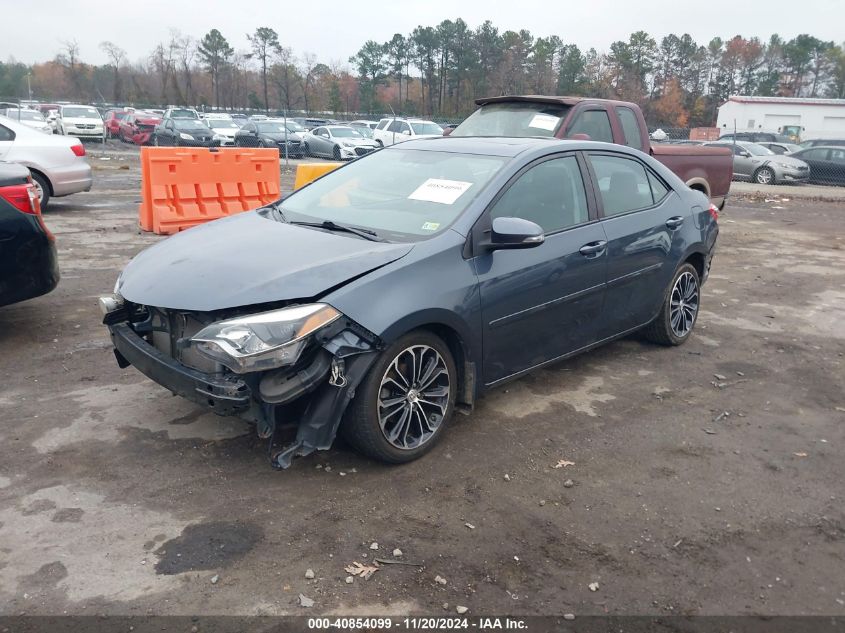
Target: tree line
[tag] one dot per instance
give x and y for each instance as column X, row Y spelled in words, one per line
column 438, row 71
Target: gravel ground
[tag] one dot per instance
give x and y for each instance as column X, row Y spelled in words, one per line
column 705, row 479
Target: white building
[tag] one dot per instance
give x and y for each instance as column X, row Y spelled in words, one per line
column 813, row 118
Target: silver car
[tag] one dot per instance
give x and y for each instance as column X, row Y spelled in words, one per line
column 339, row 142
column 758, row 164
column 57, row 163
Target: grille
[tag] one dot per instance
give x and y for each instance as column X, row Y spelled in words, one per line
column 169, row 327
column 360, row 151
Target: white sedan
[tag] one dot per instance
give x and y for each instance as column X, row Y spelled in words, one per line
column 30, row 118
column 57, row 164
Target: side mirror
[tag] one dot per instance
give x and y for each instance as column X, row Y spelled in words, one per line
column 515, row 233
column 745, row 154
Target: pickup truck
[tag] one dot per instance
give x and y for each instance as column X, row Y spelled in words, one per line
column 706, row 169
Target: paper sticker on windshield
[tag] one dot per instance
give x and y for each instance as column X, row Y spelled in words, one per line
column 431, row 226
column 440, row 191
column 544, row 122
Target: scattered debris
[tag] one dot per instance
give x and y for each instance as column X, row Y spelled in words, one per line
column 678, row 542
column 359, row 569
column 349, row 580
column 516, row 558
column 397, row 553
column 568, row 616
column 562, row 463
column 305, row 601
column 389, row 561
column 215, row 579
column 309, row 574
column 568, row 483
column 542, row 502
column 342, row 474
column 507, row 477
column 440, row 580
column 800, row 454
column 594, row 586
column 709, row 431
column 720, row 377
column 460, row 610
column 470, row 526
column 445, row 606
column 723, row 414
column 374, row 545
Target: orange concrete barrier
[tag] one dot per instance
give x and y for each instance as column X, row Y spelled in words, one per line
column 182, row 187
column 306, row 172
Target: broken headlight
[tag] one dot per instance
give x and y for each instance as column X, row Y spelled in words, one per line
column 263, row 341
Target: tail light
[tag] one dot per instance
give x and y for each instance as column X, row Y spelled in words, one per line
column 79, row 150
column 23, row 197
column 714, row 212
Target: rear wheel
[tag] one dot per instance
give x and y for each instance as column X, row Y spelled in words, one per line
column 405, row 401
column 42, row 187
column 679, row 312
column 764, row 176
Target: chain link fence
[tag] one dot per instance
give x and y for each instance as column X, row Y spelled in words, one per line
column 768, row 158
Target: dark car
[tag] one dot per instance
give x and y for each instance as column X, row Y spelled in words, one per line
column 823, row 142
column 183, row 132
column 389, row 293
column 827, row 164
column 112, row 120
column 269, row 133
column 756, row 137
column 28, row 263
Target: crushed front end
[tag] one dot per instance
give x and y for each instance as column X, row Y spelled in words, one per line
column 294, row 365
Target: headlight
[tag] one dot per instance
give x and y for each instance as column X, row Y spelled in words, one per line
column 187, row 137
column 347, row 144
column 219, row 137
column 263, row 341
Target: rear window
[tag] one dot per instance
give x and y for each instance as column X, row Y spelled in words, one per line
column 513, row 119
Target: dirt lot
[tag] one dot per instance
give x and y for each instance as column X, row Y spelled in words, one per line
column 706, row 479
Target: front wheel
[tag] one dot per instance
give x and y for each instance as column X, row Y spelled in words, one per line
column 764, row 176
column 679, row 312
column 405, row 401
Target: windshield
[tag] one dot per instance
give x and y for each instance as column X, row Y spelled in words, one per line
column 221, row 123
column 344, row 132
column 293, row 126
column 401, row 194
column 513, row 119
column 426, row 128
column 81, row 113
column 757, row 150
column 188, row 124
column 179, row 113
column 24, row 115
column 271, row 127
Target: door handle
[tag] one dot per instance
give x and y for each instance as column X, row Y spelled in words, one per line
column 593, row 248
column 675, row 221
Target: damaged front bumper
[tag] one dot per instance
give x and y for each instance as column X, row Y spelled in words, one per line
column 313, row 393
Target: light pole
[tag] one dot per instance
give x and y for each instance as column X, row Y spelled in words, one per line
column 29, row 86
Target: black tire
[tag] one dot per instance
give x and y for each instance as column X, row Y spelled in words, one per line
column 44, row 187
column 380, row 144
column 765, row 176
column 361, row 426
column 661, row 330
column 261, row 144
column 336, row 153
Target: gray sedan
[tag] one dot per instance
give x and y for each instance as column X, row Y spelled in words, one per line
column 759, row 164
column 339, row 142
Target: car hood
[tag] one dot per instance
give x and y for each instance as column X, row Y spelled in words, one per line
column 366, row 142
column 248, row 259
column 73, row 120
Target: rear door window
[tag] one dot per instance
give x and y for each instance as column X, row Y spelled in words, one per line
column 593, row 123
column 6, row 134
column 623, row 184
column 630, row 127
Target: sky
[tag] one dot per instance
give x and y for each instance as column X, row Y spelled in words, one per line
column 334, row 30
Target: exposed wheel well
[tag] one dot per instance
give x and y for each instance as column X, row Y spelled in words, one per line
column 697, row 260
column 699, row 187
column 463, row 362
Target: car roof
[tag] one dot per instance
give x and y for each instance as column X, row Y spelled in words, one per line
column 502, row 146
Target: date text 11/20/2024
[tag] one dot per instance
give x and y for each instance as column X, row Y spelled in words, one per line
column 419, row 623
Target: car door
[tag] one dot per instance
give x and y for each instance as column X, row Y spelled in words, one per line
column 642, row 222
column 541, row 303
column 836, row 165
column 815, row 158
column 326, row 143
column 742, row 160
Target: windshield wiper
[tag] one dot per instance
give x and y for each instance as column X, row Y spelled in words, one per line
column 341, row 228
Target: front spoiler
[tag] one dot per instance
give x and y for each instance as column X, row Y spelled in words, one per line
column 223, row 395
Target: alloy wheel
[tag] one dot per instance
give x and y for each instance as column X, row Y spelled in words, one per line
column 684, row 304
column 413, row 397
column 765, row 176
